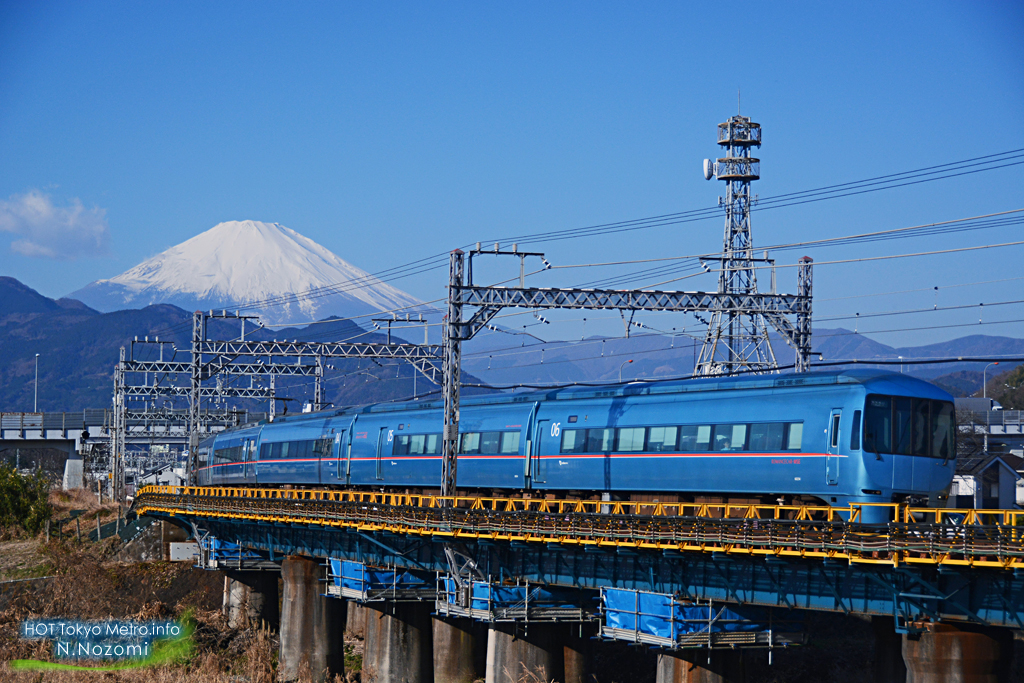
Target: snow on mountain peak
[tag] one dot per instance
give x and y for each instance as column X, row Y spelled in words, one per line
column 245, row 262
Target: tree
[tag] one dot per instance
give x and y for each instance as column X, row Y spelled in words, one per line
column 969, row 442
column 24, row 499
column 1008, row 389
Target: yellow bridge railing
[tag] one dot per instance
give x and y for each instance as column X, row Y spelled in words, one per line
column 913, row 535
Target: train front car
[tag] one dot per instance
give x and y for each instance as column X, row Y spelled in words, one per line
column 908, row 440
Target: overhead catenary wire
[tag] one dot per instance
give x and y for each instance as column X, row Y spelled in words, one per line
column 436, row 261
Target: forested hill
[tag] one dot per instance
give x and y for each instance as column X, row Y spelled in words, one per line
column 78, row 348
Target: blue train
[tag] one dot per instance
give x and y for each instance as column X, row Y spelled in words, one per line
column 832, row 437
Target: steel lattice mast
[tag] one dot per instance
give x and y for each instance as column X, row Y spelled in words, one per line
column 736, row 340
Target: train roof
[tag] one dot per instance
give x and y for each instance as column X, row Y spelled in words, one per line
column 877, row 380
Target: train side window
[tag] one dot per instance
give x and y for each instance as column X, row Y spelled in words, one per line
column 730, row 437
column 433, row 444
column 599, row 440
column 878, row 424
column 903, row 411
column 919, row 430
column 470, row 443
column 229, row 454
column 417, row 442
column 794, row 436
column 662, row 439
column 836, row 420
column 400, row 446
column 574, row 440
column 688, row 438
column 509, row 442
column 490, row 442
column 767, row 436
column 855, row 432
column 943, row 430
column 630, row 439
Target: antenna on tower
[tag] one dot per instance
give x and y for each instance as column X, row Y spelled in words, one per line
column 736, row 340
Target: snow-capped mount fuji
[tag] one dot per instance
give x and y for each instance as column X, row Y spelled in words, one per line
column 240, row 263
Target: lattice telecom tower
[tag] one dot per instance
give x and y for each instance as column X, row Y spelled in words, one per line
column 736, row 340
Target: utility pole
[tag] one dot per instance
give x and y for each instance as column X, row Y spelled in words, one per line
column 35, row 400
column 450, row 376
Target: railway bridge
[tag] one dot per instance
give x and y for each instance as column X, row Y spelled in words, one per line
column 697, row 581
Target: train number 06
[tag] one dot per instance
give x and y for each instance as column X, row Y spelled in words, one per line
column 556, row 428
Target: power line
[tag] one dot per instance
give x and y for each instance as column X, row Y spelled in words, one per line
column 426, row 264
column 859, row 316
column 791, row 199
column 922, row 289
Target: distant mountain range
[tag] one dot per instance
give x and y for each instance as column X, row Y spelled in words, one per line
column 501, row 358
column 78, row 348
column 271, row 270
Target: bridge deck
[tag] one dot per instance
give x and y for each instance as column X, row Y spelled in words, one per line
column 914, row 536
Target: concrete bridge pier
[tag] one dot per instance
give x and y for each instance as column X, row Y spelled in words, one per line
column 250, row 599
column 517, row 651
column 355, row 623
column 398, row 645
column 457, row 650
column 312, row 625
column 576, row 654
column 945, row 653
column 701, row 666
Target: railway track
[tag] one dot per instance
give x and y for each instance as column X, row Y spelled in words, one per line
column 921, row 536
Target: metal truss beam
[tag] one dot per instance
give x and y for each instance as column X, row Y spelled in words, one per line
column 176, row 416
column 628, row 300
column 202, row 392
column 227, row 368
column 297, row 349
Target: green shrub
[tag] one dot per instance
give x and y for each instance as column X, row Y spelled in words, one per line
column 23, row 499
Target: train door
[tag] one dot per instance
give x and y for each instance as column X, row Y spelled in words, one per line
column 384, row 439
column 546, row 433
column 334, row 471
column 832, row 447
column 248, row 455
column 323, row 451
column 346, row 455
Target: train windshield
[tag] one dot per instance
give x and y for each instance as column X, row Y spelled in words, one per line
column 909, row 426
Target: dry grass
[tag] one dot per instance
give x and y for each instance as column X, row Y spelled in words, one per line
column 80, row 499
column 22, row 559
column 89, row 586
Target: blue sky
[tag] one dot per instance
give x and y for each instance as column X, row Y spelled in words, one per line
column 391, row 131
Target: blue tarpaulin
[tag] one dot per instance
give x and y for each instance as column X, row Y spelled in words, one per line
column 659, row 615
column 358, row 577
column 497, row 596
column 224, row 551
